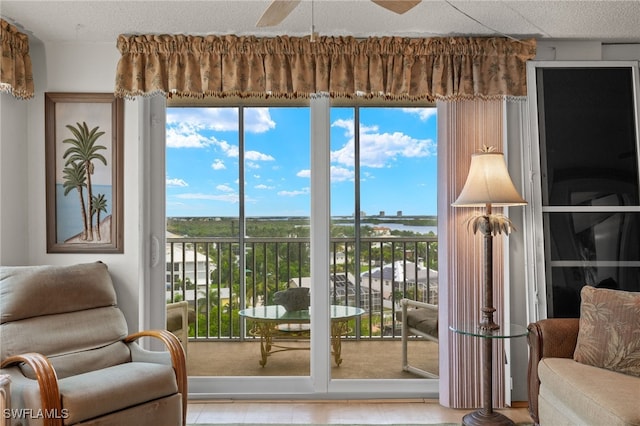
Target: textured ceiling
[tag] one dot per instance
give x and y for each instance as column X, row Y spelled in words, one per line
column 102, row 21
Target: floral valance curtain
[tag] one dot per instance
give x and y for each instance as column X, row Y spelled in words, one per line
column 391, row 67
column 16, row 77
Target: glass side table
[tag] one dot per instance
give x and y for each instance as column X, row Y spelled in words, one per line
column 486, row 416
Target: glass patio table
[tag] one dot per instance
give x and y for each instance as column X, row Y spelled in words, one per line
column 274, row 322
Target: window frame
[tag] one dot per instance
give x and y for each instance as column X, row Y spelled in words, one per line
column 319, row 383
column 537, row 249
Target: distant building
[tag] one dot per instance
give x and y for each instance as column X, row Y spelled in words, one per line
column 381, row 231
column 404, row 276
column 337, row 258
column 184, row 266
column 399, row 213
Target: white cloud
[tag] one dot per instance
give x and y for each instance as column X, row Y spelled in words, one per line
column 218, row 165
column 176, row 182
column 338, row 174
column 224, row 188
column 257, row 156
column 295, row 193
column 423, row 113
column 230, row 150
column 379, row 149
column 341, row 174
column 263, row 186
column 257, row 120
column 185, row 128
column 185, row 136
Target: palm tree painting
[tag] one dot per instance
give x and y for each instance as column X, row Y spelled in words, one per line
column 82, row 154
column 84, row 140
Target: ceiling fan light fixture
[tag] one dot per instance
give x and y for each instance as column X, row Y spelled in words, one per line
column 276, row 12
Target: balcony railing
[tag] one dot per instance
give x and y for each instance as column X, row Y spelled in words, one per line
column 219, row 277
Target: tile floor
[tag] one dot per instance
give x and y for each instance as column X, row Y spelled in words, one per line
column 420, row 411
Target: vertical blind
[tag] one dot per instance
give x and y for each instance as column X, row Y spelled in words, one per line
column 463, row 128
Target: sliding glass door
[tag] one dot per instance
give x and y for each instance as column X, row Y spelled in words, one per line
column 257, row 222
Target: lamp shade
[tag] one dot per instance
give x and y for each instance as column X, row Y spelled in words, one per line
column 488, row 182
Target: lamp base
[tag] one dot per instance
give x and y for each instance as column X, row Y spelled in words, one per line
column 488, row 326
column 481, row 418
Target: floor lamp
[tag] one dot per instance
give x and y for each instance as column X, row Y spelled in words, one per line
column 488, row 184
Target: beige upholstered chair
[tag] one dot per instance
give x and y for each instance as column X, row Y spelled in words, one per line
column 178, row 321
column 66, row 348
column 418, row 319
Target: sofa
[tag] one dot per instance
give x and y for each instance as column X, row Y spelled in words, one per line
column 586, row 371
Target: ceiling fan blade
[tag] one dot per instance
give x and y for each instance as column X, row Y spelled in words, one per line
column 276, row 12
column 397, row 6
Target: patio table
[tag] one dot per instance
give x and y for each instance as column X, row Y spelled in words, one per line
column 275, row 322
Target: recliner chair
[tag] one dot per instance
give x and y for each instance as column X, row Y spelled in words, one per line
column 66, row 347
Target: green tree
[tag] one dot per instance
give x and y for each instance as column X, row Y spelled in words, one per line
column 83, row 150
column 74, row 178
column 98, row 205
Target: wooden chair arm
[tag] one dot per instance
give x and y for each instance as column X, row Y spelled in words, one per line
column 47, row 382
column 178, row 360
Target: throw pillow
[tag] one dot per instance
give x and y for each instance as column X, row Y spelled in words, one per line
column 609, row 335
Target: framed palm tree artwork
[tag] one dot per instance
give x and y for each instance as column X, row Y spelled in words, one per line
column 84, row 172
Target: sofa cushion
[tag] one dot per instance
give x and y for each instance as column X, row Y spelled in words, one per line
column 587, row 394
column 121, row 386
column 424, row 320
column 35, row 291
column 164, row 411
column 75, row 342
column 609, row 335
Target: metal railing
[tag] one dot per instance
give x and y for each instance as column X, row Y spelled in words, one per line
column 218, row 277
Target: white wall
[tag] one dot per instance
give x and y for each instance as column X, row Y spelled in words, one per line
column 586, row 51
column 13, row 181
column 63, row 67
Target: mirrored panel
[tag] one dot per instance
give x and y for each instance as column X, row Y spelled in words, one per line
column 593, row 236
column 564, row 297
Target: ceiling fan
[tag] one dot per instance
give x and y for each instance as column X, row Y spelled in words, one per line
column 278, row 10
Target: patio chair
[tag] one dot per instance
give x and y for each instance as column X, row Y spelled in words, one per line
column 66, row 347
column 178, row 321
column 418, row 319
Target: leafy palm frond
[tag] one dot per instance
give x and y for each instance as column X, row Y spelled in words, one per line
column 496, row 224
column 74, row 177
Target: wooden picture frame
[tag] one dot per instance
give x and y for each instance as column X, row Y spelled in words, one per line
column 84, row 212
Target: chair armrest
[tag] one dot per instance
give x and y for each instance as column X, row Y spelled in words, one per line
column 414, row 303
column 406, row 303
column 548, row 338
column 183, row 310
column 177, row 360
column 47, row 382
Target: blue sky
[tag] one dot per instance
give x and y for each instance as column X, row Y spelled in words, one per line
column 397, row 156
